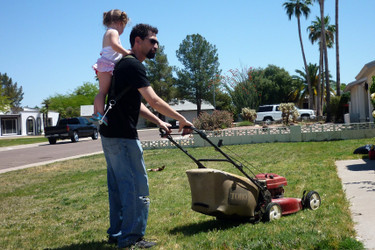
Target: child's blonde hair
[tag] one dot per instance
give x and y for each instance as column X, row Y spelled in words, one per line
column 114, row 16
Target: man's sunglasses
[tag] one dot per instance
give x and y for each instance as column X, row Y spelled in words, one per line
column 152, row 40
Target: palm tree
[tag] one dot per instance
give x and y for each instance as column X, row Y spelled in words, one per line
column 297, row 8
column 338, row 84
column 315, row 32
column 299, row 94
column 325, row 54
column 44, row 110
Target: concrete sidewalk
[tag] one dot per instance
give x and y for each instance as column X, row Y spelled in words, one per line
column 358, row 180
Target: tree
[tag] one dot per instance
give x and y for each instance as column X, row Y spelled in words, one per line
column 13, row 93
column 4, row 101
column 222, row 100
column 338, row 83
column 88, row 89
column 44, row 110
column 325, row 56
column 160, row 75
column 68, row 105
column 201, row 66
column 298, row 8
column 252, row 87
column 274, row 84
column 301, row 91
column 242, row 89
column 315, row 34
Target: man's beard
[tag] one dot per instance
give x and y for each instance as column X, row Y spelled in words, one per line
column 150, row 54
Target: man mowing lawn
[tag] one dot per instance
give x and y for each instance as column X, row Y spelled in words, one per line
column 126, row 173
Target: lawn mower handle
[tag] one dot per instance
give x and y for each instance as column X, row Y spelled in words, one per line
column 163, row 134
column 203, row 135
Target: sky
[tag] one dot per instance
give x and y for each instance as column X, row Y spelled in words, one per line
column 49, row 46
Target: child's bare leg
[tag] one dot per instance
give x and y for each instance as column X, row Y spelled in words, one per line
column 99, row 103
column 104, row 84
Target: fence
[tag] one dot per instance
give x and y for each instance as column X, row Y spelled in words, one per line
column 315, row 132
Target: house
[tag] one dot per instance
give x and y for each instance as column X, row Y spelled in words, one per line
column 29, row 121
column 189, row 109
column 360, row 106
column 185, row 108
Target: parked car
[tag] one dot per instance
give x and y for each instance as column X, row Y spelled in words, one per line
column 269, row 113
column 306, row 114
column 71, row 128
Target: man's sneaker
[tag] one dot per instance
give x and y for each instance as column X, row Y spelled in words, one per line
column 112, row 240
column 142, row 243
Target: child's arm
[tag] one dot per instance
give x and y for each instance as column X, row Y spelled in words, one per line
column 113, row 38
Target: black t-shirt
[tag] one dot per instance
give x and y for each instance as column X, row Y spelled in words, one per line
column 123, row 117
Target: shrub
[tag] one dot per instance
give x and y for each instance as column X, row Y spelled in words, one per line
column 334, row 107
column 249, row 114
column 218, row 120
column 289, row 112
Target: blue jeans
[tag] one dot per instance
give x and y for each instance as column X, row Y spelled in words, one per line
column 127, row 189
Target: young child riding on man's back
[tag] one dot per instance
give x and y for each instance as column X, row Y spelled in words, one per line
column 112, row 51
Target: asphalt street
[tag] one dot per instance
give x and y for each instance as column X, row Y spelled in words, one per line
column 24, row 156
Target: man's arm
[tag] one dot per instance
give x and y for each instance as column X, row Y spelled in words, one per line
column 147, row 114
column 161, row 106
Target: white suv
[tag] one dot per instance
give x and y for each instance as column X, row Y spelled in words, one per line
column 306, row 114
column 269, row 113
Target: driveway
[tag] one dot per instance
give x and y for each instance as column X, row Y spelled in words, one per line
column 358, row 181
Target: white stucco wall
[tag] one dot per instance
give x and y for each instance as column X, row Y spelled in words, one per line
column 360, row 107
column 38, row 118
column 34, row 115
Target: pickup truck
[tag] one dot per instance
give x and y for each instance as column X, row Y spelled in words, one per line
column 269, row 113
column 71, row 128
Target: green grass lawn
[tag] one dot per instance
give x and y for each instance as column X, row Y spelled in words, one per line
column 6, row 142
column 64, row 205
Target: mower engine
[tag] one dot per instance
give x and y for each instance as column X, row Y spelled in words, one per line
column 274, row 183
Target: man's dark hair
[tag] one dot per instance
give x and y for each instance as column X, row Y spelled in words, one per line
column 141, row 30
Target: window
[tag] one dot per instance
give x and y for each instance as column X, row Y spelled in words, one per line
column 265, row 109
column 38, row 126
column 85, row 121
column 63, row 122
column 73, row 121
column 8, row 126
column 30, row 126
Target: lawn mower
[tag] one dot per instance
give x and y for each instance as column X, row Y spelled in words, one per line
column 230, row 196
